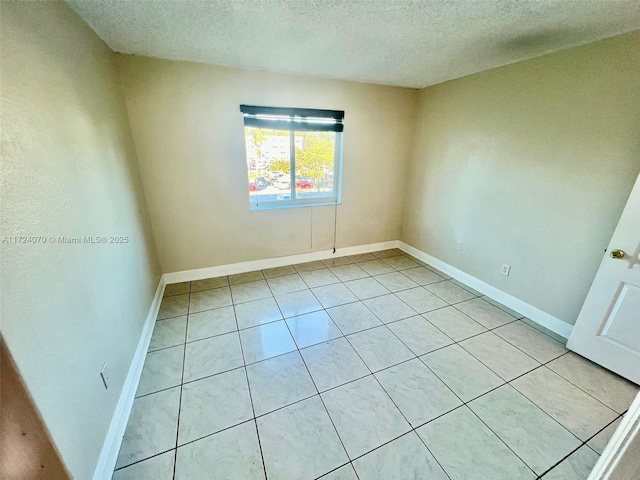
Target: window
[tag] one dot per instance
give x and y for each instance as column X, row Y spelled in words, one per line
column 294, row 156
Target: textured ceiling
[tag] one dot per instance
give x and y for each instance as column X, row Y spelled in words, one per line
column 391, row 42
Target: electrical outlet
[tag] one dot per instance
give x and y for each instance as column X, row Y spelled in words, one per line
column 506, row 270
column 292, row 238
column 458, row 245
column 104, row 374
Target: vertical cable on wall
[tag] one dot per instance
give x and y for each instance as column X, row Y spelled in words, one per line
column 311, row 208
column 335, row 226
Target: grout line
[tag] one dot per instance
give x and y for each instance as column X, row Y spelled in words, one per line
column 578, row 386
column 246, row 376
column 453, row 342
column 415, row 356
column 184, row 356
column 334, row 283
column 333, row 388
column 464, row 404
column 392, row 401
column 507, row 382
column 316, row 386
column 298, row 349
column 583, row 444
column 217, row 431
column 144, row 459
column 336, row 469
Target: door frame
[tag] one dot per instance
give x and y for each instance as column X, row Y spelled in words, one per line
column 625, row 434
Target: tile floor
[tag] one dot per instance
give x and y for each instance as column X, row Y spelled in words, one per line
column 374, row 366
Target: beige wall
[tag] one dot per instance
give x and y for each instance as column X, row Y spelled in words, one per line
column 188, row 131
column 529, row 165
column 69, row 168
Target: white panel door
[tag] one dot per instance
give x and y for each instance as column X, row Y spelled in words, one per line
column 608, row 327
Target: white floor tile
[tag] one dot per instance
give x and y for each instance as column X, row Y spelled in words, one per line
column 454, row 323
column 364, row 415
column 176, row 289
column 212, row 355
column 237, row 455
column 261, row 344
column 209, row 299
column 209, row 283
column 449, row 292
column 247, row 277
column 577, row 411
column 168, row 333
column 353, row 317
column 162, row 369
column 376, row 267
column 319, row 278
column 390, row 252
column 247, row 292
column 484, row 313
column 257, row 312
column 348, row 272
column 174, row 306
column 159, row 467
column 614, row 391
column 299, row 441
column 286, row 284
column 278, row 271
column 211, row 323
column 419, row 335
column 278, row 382
column 404, row 458
column 364, row 288
column 297, row 303
column 389, row 308
column 500, row 356
column 577, row 467
column 334, row 295
column 152, row 427
column 312, row 328
column 309, row 266
column 468, row 450
column 422, row 276
column 334, row 363
column 418, row 393
column 345, row 472
column 495, row 303
column 400, row 262
column 213, row 404
column 379, row 348
column 362, row 257
column 534, row 436
column 466, row 376
column 421, row 300
column 336, row 262
column 599, row 442
column 531, row 341
column 266, row 341
column 396, row 281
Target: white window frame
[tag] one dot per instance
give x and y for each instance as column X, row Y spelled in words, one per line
column 305, row 119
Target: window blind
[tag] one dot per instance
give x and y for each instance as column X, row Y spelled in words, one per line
column 299, row 119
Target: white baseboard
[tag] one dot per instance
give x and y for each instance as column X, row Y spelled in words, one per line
column 242, row 267
column 111, row 447
column 542, row 318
